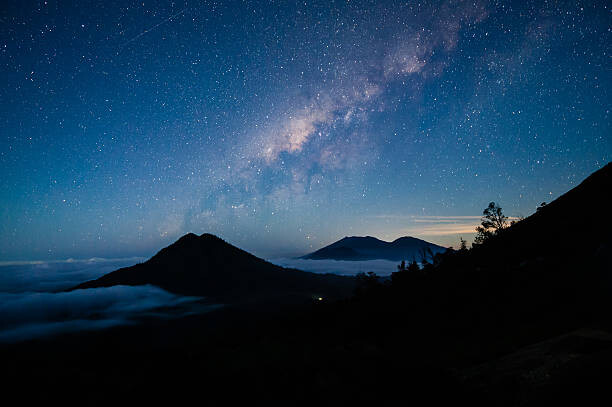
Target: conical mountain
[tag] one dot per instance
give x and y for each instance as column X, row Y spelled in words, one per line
column 208, row 266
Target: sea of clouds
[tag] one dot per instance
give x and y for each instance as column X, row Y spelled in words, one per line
column 34, row 301
column 382, row 268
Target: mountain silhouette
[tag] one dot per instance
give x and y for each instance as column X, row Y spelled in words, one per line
column 208, row 266
column 370, row 248
column 520, row 320
column 574, row 226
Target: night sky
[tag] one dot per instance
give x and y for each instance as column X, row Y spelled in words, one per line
column 284, row 126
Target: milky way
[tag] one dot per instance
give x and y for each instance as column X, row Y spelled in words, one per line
column 283, row 126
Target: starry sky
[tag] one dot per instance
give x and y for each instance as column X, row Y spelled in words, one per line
column 283, row 126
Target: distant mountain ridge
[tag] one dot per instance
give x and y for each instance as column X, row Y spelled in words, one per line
column 358, row 248
column 208, row 266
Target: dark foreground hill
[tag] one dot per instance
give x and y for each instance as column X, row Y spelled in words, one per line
column 526, row 316
column 522, row 320
column 370, row 248
column 208, row 266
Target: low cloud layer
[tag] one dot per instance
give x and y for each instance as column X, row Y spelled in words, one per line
column 340, row 267
column 31, row 305
column 42, row 276
column 31, row 315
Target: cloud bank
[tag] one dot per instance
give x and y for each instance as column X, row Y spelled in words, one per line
column 31, row 315
column 340, row 267
column 31, row 305
column 44, row 276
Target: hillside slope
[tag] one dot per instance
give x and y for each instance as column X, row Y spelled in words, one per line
column 208, row 266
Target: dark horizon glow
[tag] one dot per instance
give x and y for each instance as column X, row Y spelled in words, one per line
column 283, row 126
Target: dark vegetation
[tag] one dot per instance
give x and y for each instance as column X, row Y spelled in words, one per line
column 523, row 318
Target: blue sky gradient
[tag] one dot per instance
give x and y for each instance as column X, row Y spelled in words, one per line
column 284, row 126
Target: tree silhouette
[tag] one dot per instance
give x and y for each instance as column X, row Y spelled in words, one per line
column 462, row 244
column 367, row 283
column 414, row 266
column 493, row 221
column 426, row 255
column 405, row 273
